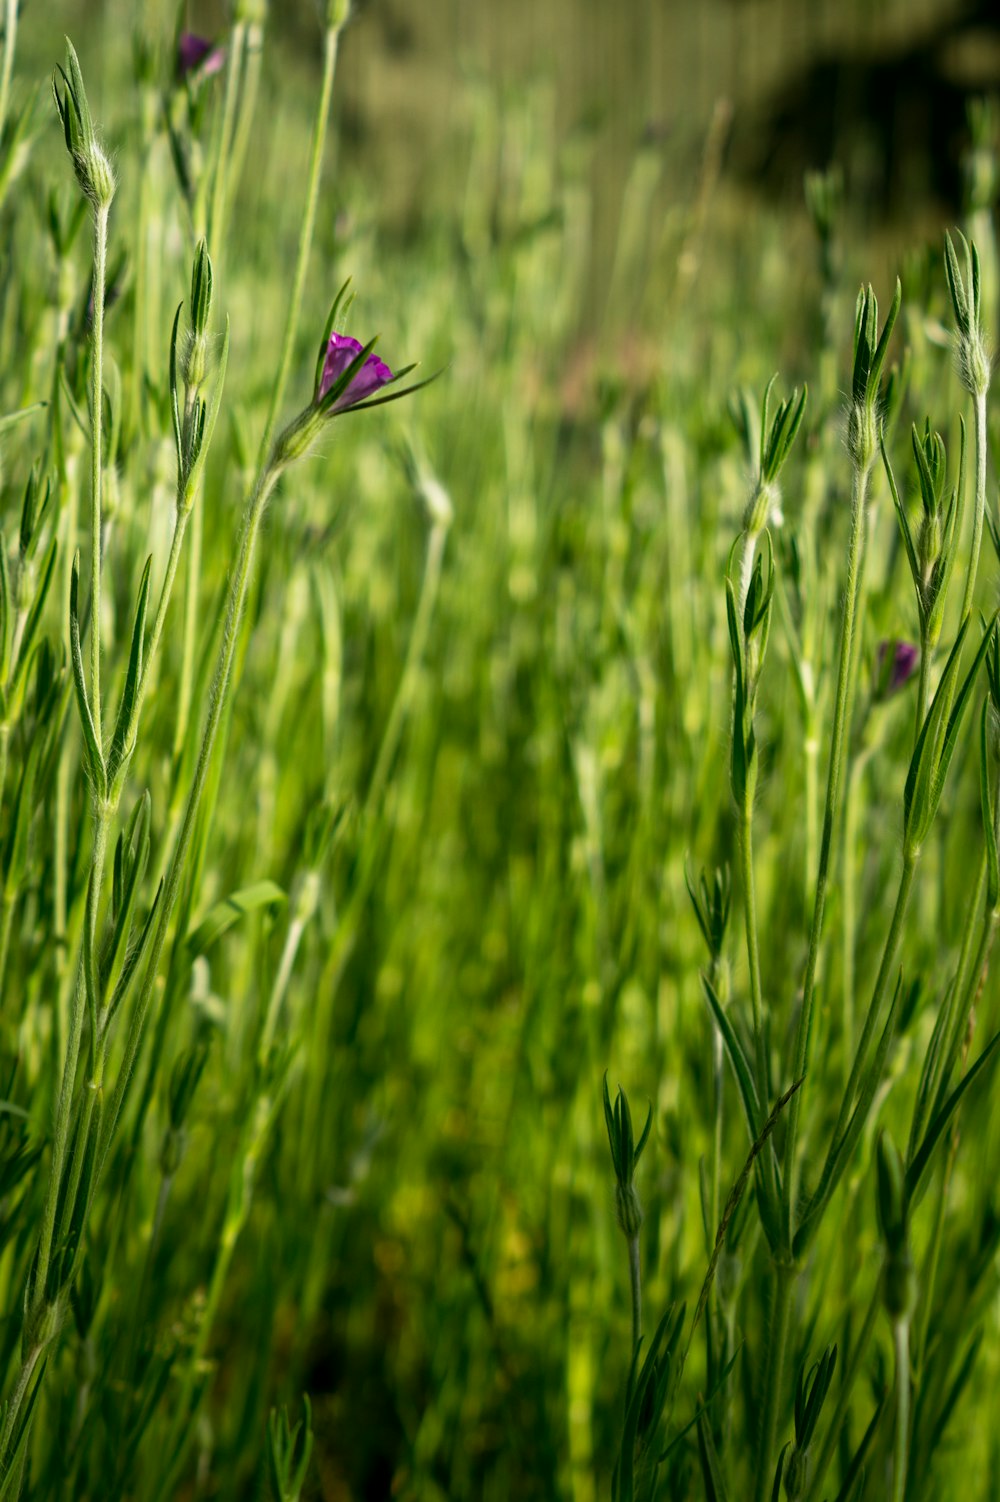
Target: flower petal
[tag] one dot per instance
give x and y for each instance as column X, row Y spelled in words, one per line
column 341, row 352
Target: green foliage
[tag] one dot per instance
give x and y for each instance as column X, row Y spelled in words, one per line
column 354, row 776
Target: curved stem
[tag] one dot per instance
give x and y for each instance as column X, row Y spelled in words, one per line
column 841, row 721
column 305, row 235
column 236, row 599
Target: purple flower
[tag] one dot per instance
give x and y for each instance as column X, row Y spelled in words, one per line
column 194, row 52
column 373, row 375
column 896, row 664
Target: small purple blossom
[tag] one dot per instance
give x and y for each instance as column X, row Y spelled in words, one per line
column 373, row 375
column 896, row 664
column 194, row 52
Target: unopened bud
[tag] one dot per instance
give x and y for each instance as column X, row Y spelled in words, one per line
column 862, row 434
column 628, row 1210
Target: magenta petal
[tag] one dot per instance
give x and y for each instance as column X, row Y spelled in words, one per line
column 194, row 52
column 341, row 352
column 897, row 663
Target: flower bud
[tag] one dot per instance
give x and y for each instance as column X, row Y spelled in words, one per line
column 929, row 546
column 201, row 289
column 96, row 176
column 93, row 170
column 862, row 434
column 628, row 1210
column 763, row 506
column 974, row 365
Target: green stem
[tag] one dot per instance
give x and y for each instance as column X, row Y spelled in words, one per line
column 238, row 586
column 305, row 235
column 6, row 71
column 189, row 640
column 97, row 430
column 901, row 1342
column 783, row 1286
column 885, row 969
column 6, row 918
column 635, row 1279
column 345, row 933
column 753, row 955
column 233, row 69
column 414, row 656
column 849, row 914
column 305, row 907
column 811, row 753
column 4, row 747
column 254, row 52
column 841, row 722
column 959, row 997
column 846, row 1389
column 979, row 408
column 923, row 683
column 64, row 1106
column 14, row 1403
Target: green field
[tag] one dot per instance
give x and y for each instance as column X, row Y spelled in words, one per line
column 358, row 769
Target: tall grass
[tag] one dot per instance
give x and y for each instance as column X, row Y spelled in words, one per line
column 375, row 784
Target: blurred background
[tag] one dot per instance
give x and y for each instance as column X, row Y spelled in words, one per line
column 775, row 87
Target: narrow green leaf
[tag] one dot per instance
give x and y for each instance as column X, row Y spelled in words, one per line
column 711, row 1468
column 738, row 1060
column 904, row 525
column 918, row 1168
column 95, row 760
column 13, row 418
column 875, row 373
column 210, row 418
column 704, row 1406
column 123, row 737
column 609, row 1120
column 175, row 408
column 222, row 917
column 34, row 617
column 989, row 821
column 842, row 1151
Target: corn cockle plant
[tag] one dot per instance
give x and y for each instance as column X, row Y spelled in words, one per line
column 121, row 947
